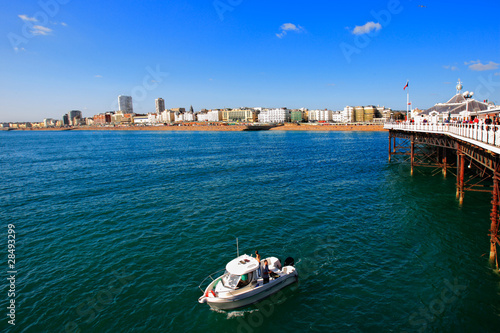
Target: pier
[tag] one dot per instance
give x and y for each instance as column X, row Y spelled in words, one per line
column 469, row 151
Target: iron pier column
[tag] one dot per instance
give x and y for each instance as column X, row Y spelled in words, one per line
column 412, row 154
column 390, row 144
column 494, row 221
column 444, row 162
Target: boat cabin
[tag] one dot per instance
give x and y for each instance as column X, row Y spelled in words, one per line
column 240, row 272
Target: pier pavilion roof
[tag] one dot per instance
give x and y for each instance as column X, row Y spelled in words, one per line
column 457, row 104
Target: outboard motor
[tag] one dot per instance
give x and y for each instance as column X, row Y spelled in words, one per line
column 289, row 261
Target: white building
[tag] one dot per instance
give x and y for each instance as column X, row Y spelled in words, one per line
column 337, row 116
column 49, row 122
column 184, row 116
column 281, row 115
column 154, row 118
column 141, row 120
column 167, row 116
column 125, row 104
column 209, row 116
column 320, row 115
column 347, row 114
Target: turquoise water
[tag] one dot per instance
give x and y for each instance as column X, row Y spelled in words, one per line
column 115, row 230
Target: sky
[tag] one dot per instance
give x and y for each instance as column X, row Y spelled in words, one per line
column 62, row 55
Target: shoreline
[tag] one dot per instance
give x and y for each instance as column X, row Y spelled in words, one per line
column 219, row 128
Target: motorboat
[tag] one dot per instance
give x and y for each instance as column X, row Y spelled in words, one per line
column 242, row 284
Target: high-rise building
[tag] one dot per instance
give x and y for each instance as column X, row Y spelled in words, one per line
column 160, row 105
column 125, row 104
column 75, row 117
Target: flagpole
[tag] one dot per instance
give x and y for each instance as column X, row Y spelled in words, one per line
column 407, row 101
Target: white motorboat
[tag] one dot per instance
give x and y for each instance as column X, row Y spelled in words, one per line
column 242, row 284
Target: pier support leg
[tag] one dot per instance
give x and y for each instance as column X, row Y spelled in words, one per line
column 444, row 162
column 390, row 145
column 459, row 153
column 412, row 154
column 494, row 221
column 461, row 181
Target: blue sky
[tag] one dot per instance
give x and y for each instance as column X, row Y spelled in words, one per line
column 60, row 55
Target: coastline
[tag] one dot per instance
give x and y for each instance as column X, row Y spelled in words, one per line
column 222, row 128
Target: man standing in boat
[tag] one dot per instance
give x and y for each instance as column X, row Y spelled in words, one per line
column 257, row 256
column 265, row 273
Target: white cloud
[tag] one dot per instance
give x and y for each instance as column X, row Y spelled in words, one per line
column 40, row 30
column 497, row 74
column 64, row 24
column 366, row 28
column 288, row 27
column 27, row 18
column 478, row 66
column 98, row 76
column 453, row 68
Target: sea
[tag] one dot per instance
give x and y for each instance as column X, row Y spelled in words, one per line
column 115, row 230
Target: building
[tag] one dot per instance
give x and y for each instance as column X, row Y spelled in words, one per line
column 103, row 118
column 245, row 115
column 75, row 117
column 460, row 106
column 122, row 118
column 125, row 104
column 296, row 116
column 49, row 122
column 65, row 120
column 167, row 116
column 276, row 116
column 141, row 120
column 160, row 105
column 348, row 115
column 323, row 116
column 211, row 115
column 337, row 116
column 89, row 121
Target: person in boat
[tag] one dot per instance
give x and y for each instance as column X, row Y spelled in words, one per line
column 265, row 272
column 257, row 257
column 243, row 281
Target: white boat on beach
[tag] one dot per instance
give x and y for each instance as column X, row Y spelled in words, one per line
column 241, row 284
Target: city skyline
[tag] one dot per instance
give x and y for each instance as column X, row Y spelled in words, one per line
column 68, row 55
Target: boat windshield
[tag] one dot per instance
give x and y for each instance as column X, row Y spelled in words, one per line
column 230, row 280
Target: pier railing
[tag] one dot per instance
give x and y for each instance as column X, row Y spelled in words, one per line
column 489, row 134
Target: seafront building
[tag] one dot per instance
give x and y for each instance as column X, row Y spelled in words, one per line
column 121, row 118
column 75, row 117
column 245, row 115
column 323, row 116
column 103, row 118
column 210, row 116
column 276, row 116
column 184, row 116
column 337, row 116
column 125, row 104
column 49, row 122
column 160, row 105
column 167, row 116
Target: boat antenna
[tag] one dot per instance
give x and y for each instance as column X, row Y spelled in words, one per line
column 237, row 248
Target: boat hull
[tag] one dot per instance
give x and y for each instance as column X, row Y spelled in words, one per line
column 253, row 296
